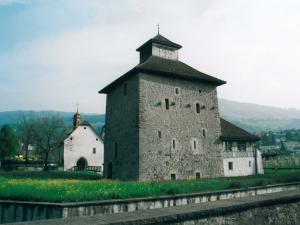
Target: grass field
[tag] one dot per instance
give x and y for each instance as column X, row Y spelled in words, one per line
column 74, row 186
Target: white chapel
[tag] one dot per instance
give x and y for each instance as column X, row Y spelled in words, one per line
column 83, row 147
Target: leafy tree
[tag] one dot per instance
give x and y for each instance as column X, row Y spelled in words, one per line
column 283, row 148
column 26, row 132
column 49, row 133
column 288, row 135
column 8, row 142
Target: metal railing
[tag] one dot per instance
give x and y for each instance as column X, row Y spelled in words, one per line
column 87, row 168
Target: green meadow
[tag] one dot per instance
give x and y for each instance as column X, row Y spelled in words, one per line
column 82, row 186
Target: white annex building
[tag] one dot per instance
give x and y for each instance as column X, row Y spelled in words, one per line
column 83, row 148
column 240, row 155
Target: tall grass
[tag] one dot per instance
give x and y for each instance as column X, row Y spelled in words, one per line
column 49, row 187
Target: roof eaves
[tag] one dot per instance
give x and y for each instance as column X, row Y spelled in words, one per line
column 216, row 81
column 107, row 88
column 166, row 43
column 235, row 138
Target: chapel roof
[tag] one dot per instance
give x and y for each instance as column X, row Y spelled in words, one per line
column 230, row 132
column 86, row 123
column 167, row 68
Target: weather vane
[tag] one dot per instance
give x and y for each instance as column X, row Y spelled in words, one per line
column 158, row 28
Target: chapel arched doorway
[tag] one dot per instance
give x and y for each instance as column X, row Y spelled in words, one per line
column 81, row 164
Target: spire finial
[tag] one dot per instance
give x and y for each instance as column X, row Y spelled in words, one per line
column 77, row 106
column 158, row 28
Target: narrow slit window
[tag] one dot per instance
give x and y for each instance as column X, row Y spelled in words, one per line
column 94, row 150
column 249, row 163
column 116, row 150
column 159, row 134
column 125, row 89
column 176, row 91
column 203, row 132
column 167, row 103
column 173, row 144
column 195, row 145
column 197, row 107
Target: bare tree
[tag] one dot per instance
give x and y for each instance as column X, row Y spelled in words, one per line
column 26, row 132
column 49, row 133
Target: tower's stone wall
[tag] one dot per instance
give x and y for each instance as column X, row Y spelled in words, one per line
column 121, row 138
column 158, row 128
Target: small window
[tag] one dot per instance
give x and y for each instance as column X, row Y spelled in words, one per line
column 198, row 176
column 200, row 91
column 203, row 132
column 177, row 91
column 94, row 150
column 250, row 164
column 241, row 146
column 173, row 176
column 173, row 144
column 71, row 138
column 230, row 165
column 228, row 146
column 125, row 89
column 167, row 103
column 195, row 145
column 97, row 139
column 159, row 134
column 84, row 127
column 197, row 107
column 116, row 150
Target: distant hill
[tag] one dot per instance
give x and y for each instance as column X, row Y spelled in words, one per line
column 12, row 117
column 258, row 118
column 253, row 117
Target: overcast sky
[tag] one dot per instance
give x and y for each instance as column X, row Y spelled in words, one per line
column 54, row 53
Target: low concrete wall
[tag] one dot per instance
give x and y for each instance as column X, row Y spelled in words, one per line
column 271, row 209
column 14, row 211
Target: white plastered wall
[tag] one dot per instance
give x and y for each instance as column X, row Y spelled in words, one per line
column 243, row 166
column 80, row 143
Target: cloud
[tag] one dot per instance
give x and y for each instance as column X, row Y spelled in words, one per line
column 253, row 45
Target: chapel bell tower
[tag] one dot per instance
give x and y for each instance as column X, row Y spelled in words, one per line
column 76, row 119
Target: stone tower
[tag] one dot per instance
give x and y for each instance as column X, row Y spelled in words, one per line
column 162, row 119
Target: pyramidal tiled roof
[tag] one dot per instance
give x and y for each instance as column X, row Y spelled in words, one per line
column 159, row 39
column 230, row 132
column 168, row 68
column 176, row 68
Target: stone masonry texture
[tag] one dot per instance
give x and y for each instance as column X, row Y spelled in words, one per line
column 121, row 137
column 271, row 209
column 153, row 142
column 158, row 158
